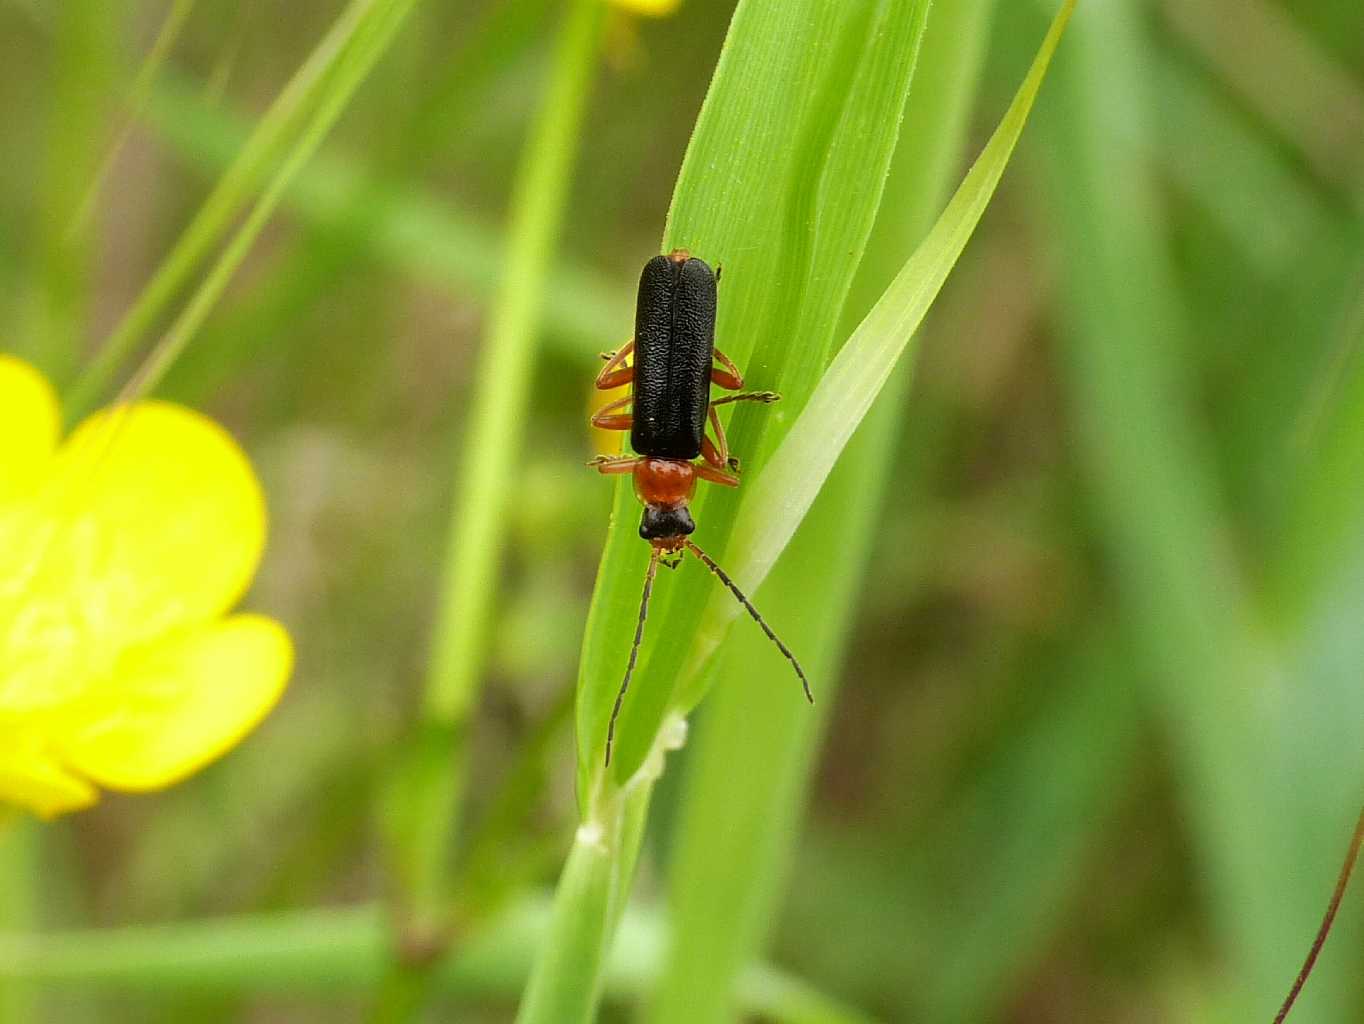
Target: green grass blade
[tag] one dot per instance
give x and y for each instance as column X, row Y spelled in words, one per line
column 371, row 41
column 746, row 776
column 1032, row 827
column 176, row 16
column 589, row 906
column 340, row 952
column 83, row 68
column 781, row 184
column 20, row 868
column 1298, row 85
column 565, row 983
column 1328, row 496
column 1212, row 153
column 375, row 211
column 209, row 225
column 414, row 231
column 1253, row 750
column 788, row 485
column 504, row 372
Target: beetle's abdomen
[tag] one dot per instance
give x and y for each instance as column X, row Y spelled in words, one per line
column 674, row 346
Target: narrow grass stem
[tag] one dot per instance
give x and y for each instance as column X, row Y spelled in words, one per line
column 20, row 845
column 371, row 40
column 503, row 375
column 176, row 16
column 432, row 783
column 567, row 979
column 83, row 67
column 412, row 231
column 340, row 951
column 381, row 204
column 223, row 203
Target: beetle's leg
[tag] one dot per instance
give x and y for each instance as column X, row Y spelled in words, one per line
column 729, row 378
column 706, row 471
column 613, row 374
column 716, row 453
column 711, row 454
column 614, row 463
column 608, row 419
column 606, row 357
column 766, row 397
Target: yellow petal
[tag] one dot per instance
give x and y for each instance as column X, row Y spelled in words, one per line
column 649, row 8
column 31, row 777
column 150, row 520
column 177, row 704
column 606, row 442
column 29, row 422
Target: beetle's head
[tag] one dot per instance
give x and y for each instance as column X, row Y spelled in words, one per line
column 664, row 526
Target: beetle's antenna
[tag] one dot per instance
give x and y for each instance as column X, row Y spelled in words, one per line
column 757, row 617
column 1351, row 857
column 634, row 649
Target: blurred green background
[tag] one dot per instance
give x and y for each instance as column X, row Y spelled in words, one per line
column 1099, row 741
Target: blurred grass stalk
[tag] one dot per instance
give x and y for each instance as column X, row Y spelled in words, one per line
column 360, row 212
column 287, row 134
column 20, row 870
column 85, row 64
column 1264, row 54
column 409, row 230
column 428, row 792
column 1234, row 716
column 747, row 775
column 84, row 67
column 820, row 148
column 338, row 953
column 1328, row 501
column 176, row 15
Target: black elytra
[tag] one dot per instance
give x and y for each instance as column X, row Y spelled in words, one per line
column 674, row 349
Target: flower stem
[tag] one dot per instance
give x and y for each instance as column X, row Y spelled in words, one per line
column 565, row 983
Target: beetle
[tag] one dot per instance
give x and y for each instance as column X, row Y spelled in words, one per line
column 672, row 365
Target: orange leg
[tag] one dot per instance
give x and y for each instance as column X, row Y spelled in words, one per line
column 614, row 374
column 614, row 463
column 608, row 419
column 716, row 476
column 729, row 378
column 717, row 453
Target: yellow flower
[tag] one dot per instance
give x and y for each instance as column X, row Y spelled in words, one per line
column 121, row 551
column 649, row 8
column 605, row 442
